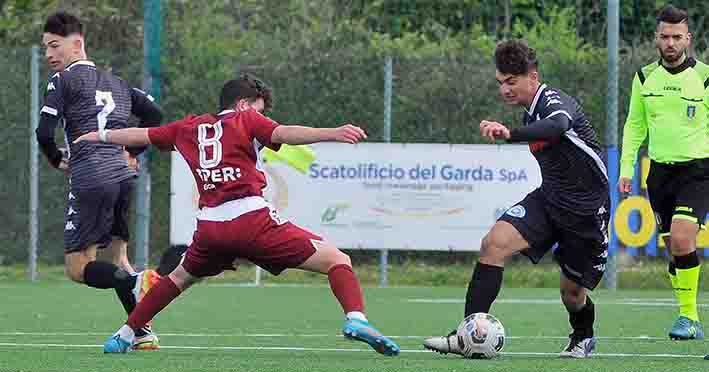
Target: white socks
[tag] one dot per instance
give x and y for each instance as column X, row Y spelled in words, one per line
column 356, row 315
column 126, row 333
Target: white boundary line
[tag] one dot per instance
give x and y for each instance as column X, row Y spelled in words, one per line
column 321, row 335
column 284, row 348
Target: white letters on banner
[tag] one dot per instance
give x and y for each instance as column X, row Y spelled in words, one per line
column 393, row 196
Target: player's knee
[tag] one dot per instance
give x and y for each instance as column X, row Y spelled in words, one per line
column 573, row 298
column 344, row 259
column 682, row 243
column 494, row 246
column 337, row 257
column 182, row 279
column 75, row 273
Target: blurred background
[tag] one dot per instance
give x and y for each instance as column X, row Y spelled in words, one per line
column 328, row 62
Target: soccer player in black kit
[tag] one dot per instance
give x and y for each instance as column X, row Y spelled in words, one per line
column 84, row 99
column 569, row 211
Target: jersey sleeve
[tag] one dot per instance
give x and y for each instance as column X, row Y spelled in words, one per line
column 261, row 128
column 57, row 95
column 634, row 131
column 552, row 103
column 144, row 107
column 165, row 137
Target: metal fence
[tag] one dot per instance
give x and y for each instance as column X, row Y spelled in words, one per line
column 437, row 100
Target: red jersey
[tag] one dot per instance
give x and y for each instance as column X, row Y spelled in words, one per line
column 222, row 151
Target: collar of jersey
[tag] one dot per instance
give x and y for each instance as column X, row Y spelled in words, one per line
column 541, row 88
column 79, row 63
column 226, row 112
column 688, row 62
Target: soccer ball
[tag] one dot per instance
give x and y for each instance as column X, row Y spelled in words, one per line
column 480, row 336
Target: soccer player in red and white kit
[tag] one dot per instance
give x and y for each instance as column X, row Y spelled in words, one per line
column 234, row 220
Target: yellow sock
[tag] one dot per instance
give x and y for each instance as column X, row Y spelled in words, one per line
column 685, row 285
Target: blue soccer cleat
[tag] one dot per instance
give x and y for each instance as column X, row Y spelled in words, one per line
column 686, row 329
column 359, row 330
column 117, row 345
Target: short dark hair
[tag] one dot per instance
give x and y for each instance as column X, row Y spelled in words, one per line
column 63, row 24
column 248, row 87
column 672, row 14
column 515, row 57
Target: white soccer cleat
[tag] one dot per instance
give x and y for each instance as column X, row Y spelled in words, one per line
column 578, row 348
column 147, row 342
column 443, row 344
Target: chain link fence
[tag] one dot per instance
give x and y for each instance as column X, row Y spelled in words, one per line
column 434, row 100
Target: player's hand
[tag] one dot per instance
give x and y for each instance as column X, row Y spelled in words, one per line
column 88, row 137
column 64, row 166
column 64, row 163
column 625, row 185
column 493, row 130
column 349, row 133
column 132, row 161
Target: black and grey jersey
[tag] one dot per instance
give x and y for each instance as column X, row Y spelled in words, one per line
column 574, row 176
column 87, row 99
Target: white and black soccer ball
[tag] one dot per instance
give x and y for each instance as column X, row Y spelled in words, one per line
column 481, row 336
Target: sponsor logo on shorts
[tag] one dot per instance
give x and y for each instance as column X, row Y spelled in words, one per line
column 276, row 217
column 517, row 211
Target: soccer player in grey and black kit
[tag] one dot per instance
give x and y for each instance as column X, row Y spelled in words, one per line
column 83, row 99
column 570, row 209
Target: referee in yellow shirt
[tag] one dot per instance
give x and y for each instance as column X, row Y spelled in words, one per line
column 670, row 106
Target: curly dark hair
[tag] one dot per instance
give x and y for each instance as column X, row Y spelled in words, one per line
column 248, row 87
column 515, row 57
column 673, row 15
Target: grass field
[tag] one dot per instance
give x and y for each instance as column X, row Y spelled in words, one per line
column 58, row 326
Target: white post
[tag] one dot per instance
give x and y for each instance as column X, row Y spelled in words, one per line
column 384, row 253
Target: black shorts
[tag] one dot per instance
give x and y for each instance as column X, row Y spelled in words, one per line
column 679, row 190
column 582, row 239
column 97, row 216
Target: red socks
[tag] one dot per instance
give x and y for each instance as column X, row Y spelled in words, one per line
column 345, row 286
column 154, row 301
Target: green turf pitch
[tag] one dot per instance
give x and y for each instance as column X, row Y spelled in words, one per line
column 60, row 327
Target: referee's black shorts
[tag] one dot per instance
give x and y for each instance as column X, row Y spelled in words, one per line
column 97, row 215
column 679, row 190
column 581, row 241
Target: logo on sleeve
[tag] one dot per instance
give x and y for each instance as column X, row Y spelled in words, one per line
column 517, row 211
column 552, row 101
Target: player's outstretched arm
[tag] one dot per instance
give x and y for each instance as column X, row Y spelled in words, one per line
column 126, row 137
column 300, row 135
column 551, row 127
